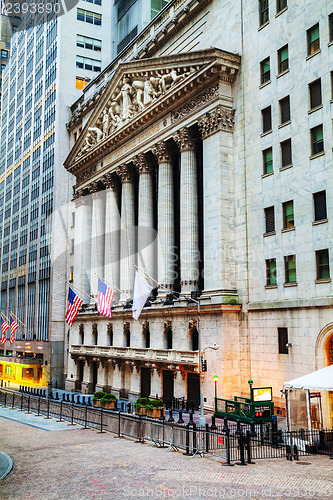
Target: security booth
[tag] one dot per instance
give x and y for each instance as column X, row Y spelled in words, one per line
column 259, row 407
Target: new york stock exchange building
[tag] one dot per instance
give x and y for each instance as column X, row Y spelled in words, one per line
column 168, row 178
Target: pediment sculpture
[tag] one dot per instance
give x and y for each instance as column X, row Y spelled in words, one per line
column 130, row 97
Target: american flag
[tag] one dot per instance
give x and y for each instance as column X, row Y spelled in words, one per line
column 4, row 328
column 73, row 305
column 105, row 296
column 13, row 327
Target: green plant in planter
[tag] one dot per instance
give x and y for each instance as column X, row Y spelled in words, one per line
column 150, row 407
column 98, row 395
column 156, row 403
column 141, row 402
column 108, row 398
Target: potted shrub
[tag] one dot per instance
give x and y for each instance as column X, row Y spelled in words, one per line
column 140, row 406
column 97, row 399
column 109, row 401
column 154, row 408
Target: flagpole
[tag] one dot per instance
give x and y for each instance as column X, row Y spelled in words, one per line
column 148, row 276
column 24, row 326
column 112, row 286
column 2, row 314
column 81, row 291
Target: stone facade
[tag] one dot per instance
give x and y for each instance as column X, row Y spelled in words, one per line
column 187, row 158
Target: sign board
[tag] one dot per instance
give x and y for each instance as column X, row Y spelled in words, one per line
column 262, row 394
column 221, row 440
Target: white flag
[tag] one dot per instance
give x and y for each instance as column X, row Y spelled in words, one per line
column 141, row 293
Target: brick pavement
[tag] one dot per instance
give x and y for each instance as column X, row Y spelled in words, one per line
column 84, row 464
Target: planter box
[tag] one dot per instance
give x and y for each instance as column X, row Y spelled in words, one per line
column 141, row 411
column 97, row 403
column 154, row 413
column 110, row 405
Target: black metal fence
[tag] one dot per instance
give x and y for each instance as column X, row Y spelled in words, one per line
column 231, row 442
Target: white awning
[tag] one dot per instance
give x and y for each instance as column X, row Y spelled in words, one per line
column 318, row 380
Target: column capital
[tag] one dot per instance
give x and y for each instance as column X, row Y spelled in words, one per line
column 110, row 181
column 141, row 164
column 93, row 187
column 219, row 119
column 161, row 152
column 80, row 199
column 184, row 140
column 125, row 173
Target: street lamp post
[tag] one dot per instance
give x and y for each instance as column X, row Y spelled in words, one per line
column 215, row 378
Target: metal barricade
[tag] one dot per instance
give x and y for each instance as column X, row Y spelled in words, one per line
column 215, row 443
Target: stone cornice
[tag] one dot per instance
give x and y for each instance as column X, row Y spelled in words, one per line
column 219, row 119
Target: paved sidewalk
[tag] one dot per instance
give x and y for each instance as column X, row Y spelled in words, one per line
column 33, row 420
column 84, row 464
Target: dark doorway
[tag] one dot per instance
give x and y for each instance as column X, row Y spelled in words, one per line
column 145, row 382
column 80, row 370
column 168, row 381
column 193, row 388
column 94, row 376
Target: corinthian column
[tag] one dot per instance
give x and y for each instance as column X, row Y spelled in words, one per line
column 97, row 236
column 146, row 232
column 189, row 233
column 112, row 230
column 127, row 236
column 165, row 217
column 82, row 244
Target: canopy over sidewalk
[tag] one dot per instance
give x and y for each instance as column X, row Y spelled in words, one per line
column 318, row 380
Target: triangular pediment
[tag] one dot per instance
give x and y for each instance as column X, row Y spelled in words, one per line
column 138, row 91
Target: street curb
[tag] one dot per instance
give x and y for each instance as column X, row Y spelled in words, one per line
column 6, row 464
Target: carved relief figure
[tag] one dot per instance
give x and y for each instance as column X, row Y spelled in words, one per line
column 125, row 97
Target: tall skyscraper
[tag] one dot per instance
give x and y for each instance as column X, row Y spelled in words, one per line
column 49, row 65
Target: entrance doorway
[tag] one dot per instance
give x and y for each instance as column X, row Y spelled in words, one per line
column 145, row 382
column 193, row 388
column 168, row 385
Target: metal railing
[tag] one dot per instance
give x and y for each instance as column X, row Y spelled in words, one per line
column 230, row 442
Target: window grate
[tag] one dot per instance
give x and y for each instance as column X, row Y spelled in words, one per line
column 315, row 94
column 286, row 152
column 320, row 209
column 285, row 110
column 269, row 220
column 266, row 119
column 283, row 340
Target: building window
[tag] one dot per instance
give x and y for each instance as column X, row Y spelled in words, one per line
column 323, row 265
column 313, row 39
column 268, row 160
column 81, row 82
column 263, row 11
column 88, row 64
column 288, row 214
column 283, row 340
column 283, row 60
column 330, row 27
column 286, row 153
column 96, row 2
column 284, row 110
column 157, row 6
column 320, row 210
column 89, row 17
column 266, row 119
column 315, row 94
column 89, row 43
column 265, row 69
column 290, row 268
column 4, row 54
column 281, row 4
column 271, row 272
column 269, row 220
column 317, row 140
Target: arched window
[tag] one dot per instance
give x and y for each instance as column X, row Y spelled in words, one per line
column 330, row 352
